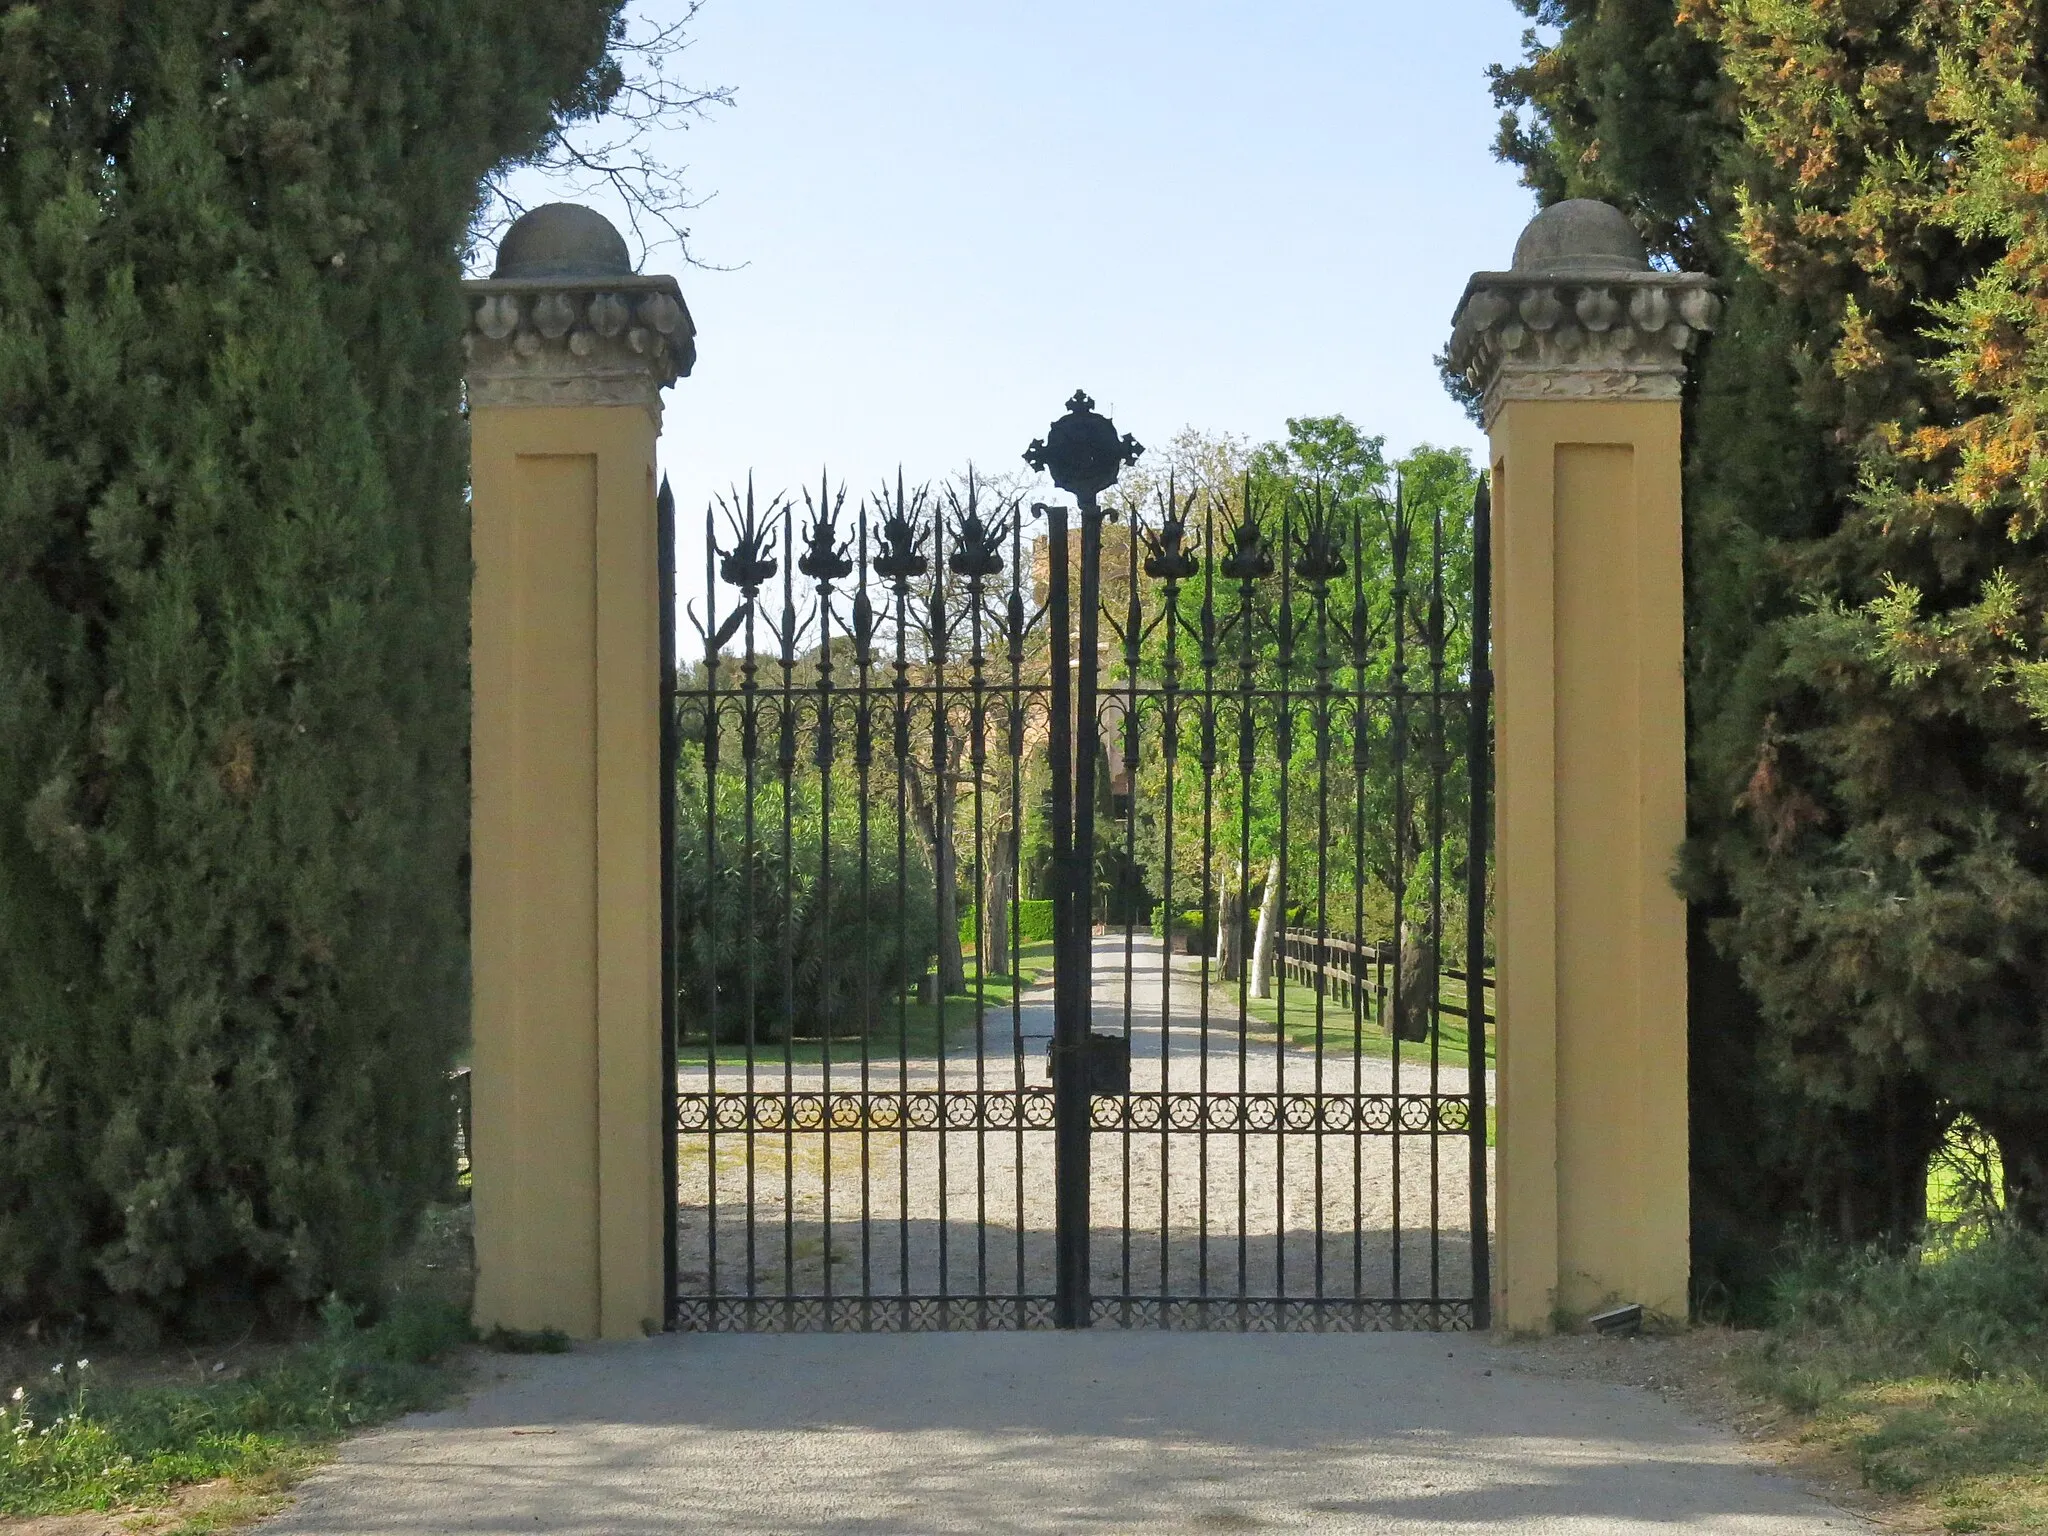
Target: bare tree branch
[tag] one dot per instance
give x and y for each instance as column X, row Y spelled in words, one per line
column 613, row 151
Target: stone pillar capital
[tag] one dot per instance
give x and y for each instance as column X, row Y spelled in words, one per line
column 1580, row 316
column 616, row 340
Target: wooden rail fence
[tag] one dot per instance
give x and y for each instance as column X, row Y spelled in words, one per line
column 1339, row 967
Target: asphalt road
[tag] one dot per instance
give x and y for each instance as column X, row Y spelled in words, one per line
column 1127, row 1434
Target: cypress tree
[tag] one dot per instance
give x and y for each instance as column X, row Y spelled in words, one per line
column 233, row 586
column 1866, row 574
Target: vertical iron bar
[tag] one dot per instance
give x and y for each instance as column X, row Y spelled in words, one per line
column 1130, row 735
column 1014, row 857
column 1283, row 747
column 1169, row 738
column 943, row 810
column 1212, row 900
column 1087, row 749
column 1436, row 898
column 1070, row 995
column 785, row 765
column 1479, row 757
column 1361, row 761
column 1247, row 762
column 1398, row 712
column 863, row 760
column 824, row 747
column 712, row 725
column 668, row 701
column 1323, row 950
column 900, row 741
column 750, row 753
column 977, row 748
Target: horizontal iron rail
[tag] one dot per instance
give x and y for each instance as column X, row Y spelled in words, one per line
column 1371, row 1114
column 940, row 1314
column 881, row 695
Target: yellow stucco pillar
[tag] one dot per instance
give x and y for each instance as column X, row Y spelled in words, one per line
column 568, row 354
column 1578, row 355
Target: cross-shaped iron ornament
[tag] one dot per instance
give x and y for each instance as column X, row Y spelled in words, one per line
column 1082, row 452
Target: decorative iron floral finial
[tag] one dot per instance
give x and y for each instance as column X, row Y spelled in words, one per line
column 824, row 557
column 1319, row 558
column 1082, row 452
column 977, row 541
column 748, row 565
column 1250, row 556
column 901, row 560
column 1172, row 557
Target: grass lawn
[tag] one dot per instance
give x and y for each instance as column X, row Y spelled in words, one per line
column 209, row 1440
column 1962, row 1455
column 1338, row 1036
column 1923, row 1376
column 906, row 1027
column 912, row 1028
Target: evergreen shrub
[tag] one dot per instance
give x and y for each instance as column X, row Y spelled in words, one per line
column 234, row 572
column 766, row 921
column 1031, row 920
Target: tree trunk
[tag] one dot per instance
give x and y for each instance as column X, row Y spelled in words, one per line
column 1230, row 927
column 1417, row 970
column 1266, row 946
column 2022, row 1137
column 933, row 814
column 993, row 943
column 1879, row 1169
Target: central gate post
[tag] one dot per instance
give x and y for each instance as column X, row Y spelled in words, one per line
column 1083, row 455
column 1578, row 355
column 568, row 354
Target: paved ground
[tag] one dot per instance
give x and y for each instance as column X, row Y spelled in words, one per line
column 1127, row 1434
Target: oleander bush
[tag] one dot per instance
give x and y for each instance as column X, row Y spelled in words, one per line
column 778, row 934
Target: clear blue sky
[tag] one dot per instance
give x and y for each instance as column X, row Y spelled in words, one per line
column 942, row 216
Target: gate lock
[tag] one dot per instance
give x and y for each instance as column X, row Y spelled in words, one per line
column 1106, row 1063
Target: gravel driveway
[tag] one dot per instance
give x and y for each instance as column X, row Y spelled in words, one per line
column 970, row 1211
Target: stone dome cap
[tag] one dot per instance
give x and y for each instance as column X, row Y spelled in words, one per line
column 1579, row 235
column 563, row 240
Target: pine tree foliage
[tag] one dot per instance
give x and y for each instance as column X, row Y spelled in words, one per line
column 1892, row 866
column 233, row 586
column 1865, row 531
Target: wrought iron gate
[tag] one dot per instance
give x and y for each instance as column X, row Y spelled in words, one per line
column 1063, row 917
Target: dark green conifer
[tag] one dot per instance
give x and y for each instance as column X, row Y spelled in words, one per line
column 1867, row 576
column 233, row 585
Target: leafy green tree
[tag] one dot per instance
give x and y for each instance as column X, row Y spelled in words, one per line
column 1350, row 833
column 233, row 586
